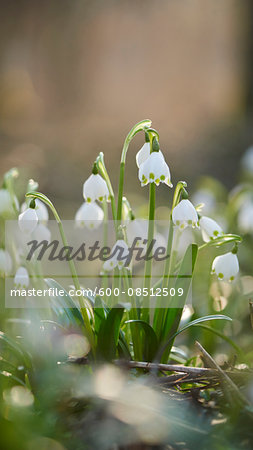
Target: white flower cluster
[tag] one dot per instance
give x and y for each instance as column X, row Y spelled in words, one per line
column 184, row 214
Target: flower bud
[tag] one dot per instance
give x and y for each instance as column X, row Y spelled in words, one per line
column 184, row 215
column 89, row 215
column 21, row 279
column 226, row 266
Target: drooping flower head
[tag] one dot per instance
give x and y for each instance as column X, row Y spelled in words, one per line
column 95, row 187
column 226, row 266
column 152, row 166
column 40, row 208
column 89, row 215
column 209, row 228
column 28, row 220
column 185, row 215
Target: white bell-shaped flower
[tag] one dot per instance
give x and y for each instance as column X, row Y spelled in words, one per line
column 28, row 220
column 95, row 188
column 5, row 262
column 209, row 228
column 89, row 215
column 226, row 266
column 184, row 215
column 144, row 153
column 42, row 233
column 155, row 170
column 6, row 204
column 245, row 217
column 40, row 208
column 119, row 254
column 21, row 279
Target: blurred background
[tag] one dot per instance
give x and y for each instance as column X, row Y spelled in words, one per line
column 76, row 75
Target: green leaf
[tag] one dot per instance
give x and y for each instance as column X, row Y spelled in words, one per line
column 151, row 341
column 108, row 334
column 7, row 366
column 15, row 349
column 64, row 306
column 199, row 321
column 12, row 377
column 191, row 324
column 173, row 314
column 222, row 336
column 123, row 347
column 99, row 313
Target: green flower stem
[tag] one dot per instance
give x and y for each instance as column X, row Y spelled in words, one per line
column 82, row 301
column 167, row 265
column 102, row 169
column 181, row 185
column 105, row 238
column 221, row 240
column 136, row 128
column 160, row 312
column 120, row 192
column 148, row 263
column 133, row 315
